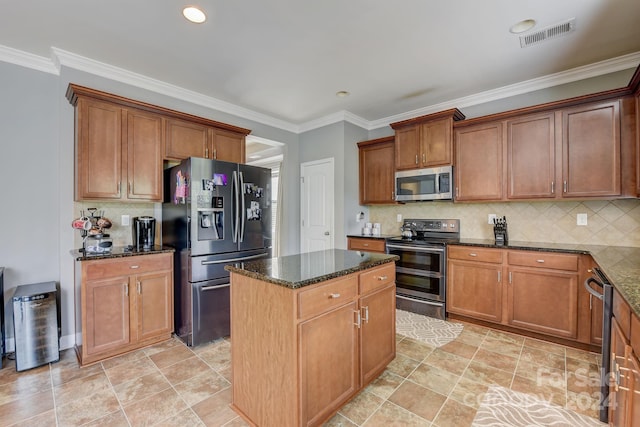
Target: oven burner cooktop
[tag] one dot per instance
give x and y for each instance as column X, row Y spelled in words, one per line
column 429, row 232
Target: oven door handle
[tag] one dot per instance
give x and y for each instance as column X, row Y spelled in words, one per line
column 592, row 291
column 437, row 304
column 416, row 248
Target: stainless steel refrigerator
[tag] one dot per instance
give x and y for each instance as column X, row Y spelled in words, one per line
column 214, row 213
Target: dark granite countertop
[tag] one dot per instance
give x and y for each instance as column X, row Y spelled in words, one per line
column 296, row 271
column 620, row 264
column 119, row 252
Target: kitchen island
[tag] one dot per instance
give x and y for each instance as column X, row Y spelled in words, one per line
column 308, row 332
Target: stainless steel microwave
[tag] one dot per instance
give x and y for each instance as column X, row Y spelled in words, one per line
column 424, row 184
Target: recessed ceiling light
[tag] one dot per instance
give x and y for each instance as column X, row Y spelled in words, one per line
column 522, row 26
column 194, row 14
column 342, row 93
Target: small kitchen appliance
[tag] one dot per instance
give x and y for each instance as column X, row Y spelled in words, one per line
column 144, row 233
column 500, row 231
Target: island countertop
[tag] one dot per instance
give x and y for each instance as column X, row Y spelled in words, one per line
column 296, row 271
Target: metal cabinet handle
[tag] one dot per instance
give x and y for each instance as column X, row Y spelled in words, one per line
column 366, row 314
column 206, row 152
column 129, row 187
column 499, row 276
column 366, row 245
column 541, row 261
column 139, row 287
column 215, row 153
column 358, row 321
column 135, row 266
column 553, row 187
column 564, row 186
column 334, row 295
column 382, row 278
column 416, row 159
column 424, row 158
column 119, row 188
column 510, row 277
column 126, row 289
column 473, row 254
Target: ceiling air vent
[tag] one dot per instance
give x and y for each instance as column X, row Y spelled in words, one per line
column 548, row 33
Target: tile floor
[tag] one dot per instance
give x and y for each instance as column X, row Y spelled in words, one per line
column 173, row 385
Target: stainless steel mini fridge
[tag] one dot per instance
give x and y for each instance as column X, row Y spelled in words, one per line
column 35, row 323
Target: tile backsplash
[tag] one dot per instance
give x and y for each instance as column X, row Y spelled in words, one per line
column 614, row 222
column 121, row 235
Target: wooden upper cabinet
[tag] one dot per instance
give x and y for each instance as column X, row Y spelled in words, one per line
column 144, row 154
column 377, row 171
column 227, row 146
column 98, row 150
column 425, row 141
column 185, row 139
column 591, row 150
column 478, row 173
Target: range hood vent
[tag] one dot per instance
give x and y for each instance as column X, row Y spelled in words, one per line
column 547, row 33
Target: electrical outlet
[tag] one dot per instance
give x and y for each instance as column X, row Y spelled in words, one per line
column 581, row 219
column 124, row 220
column 399, row 217
column 490, row 218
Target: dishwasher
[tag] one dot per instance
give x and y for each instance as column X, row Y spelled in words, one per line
column 606, row 296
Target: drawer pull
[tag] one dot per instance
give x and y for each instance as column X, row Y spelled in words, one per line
column 135, row 266
column 473, row 254
column 365, row 244
column 358, row 321
column 382, row 278
column 365, row 317
column 334, row 296
column 541, row 261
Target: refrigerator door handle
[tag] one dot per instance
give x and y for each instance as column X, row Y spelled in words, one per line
column 230, row 260
column 243, row 211
column 235, row 226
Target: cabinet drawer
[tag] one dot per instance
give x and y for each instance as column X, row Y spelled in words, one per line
column 544, row 260
column 105, row 268
column 327, row 296
column 470, row 253
column 622, row 313
column 367, row 245
column 377, row 278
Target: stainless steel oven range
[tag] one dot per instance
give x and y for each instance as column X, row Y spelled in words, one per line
column 421, row 272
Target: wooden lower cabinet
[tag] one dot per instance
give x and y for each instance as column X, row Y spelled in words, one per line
column 539, row 292
column 298, row 355
column 366, row 244
column 123, row 304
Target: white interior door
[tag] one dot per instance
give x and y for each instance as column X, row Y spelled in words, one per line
column 316, row 211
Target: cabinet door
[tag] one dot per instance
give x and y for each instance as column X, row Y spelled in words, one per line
column 478, row 172
column 227, row 146
column 591, row 150
column 634, row 393
column 184, row 139
column 154, row 305
column 377, row 173
column 543, row 301
column 144, row 156
column 106, row 312
column 328, row 362
column 437, row 144
column 99, row 150
column 407, row 147
column 531, row 157
column 474, row 289
column 378, row 332
column 596, row 308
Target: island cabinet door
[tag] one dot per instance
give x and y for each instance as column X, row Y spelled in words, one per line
column 329, row 362
column 377, row 336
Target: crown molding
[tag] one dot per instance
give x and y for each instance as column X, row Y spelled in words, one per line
column 60, row 57
column 28, row 60
column 608, row 66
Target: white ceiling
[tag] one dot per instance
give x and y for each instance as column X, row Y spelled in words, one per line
column 286, row 59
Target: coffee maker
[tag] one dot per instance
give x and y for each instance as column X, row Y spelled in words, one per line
column 144, row 233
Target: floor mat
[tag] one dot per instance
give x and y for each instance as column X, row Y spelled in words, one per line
column 504, row 407
column 434, row 332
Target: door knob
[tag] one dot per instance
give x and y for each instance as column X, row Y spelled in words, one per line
column 326, row 233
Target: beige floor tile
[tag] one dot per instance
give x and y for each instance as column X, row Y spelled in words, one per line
column 497, row 360
column 414, row 349
column 24, row 385
column 557, row 396
column 585, row 356
column 185, row 369
column 198, row 388
column 338, row 420
column 584, row 403
column 390, row 415
column 434, row 379
column 215, row 410
column 418, row 400
column 164, row 345
column 141, row 388
column 545, row 346
column 470, row 337
column 542, row 375
column 454, row 413
column 460, row 348
column 402, row 365
column 87, row 409
column 506, row 337
column 486, row 374
column 469, row 392
column 361, row 406
column 497, row 345
column 184, row 419
column 542, row 358
column 447, row 361
column 125, row 358
column 46, row 419
column 65, row 373
column 8, row 373
column 128, row 371
column 81, row 387
column 217, row 356
column 385, row 384
column 171, row 355
column 115, row 419
column 22, row 409
column 155, row 408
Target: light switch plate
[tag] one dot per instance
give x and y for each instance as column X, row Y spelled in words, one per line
column 490, row 218
column 124, row 220
column 399, row 217
column 581, row 219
